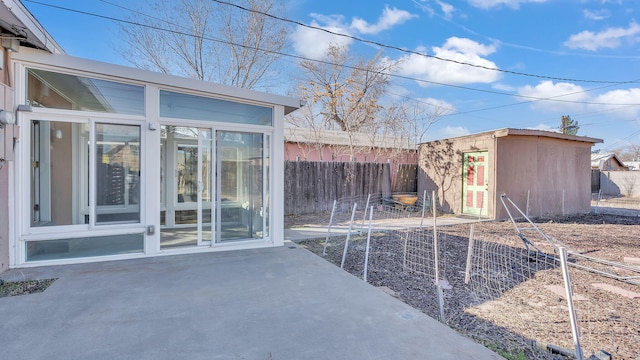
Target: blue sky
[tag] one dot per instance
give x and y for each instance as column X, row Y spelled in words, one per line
column 555, row 57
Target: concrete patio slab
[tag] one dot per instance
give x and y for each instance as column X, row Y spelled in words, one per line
column 276, row 303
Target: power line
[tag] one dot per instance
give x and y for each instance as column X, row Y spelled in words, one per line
column 621, row 141
column 325, row 62
column 519, row 46
column 552, row 98
column 412, row 52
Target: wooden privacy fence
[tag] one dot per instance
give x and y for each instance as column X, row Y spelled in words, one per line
column 311, row 187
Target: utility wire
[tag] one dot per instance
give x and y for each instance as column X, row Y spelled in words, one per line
column 325, row 62
column 412, row 52
column 552, row 98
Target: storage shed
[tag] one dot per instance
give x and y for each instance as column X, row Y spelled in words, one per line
column 544, row 173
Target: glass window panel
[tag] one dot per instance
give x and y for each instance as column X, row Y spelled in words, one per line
column 241, row 185
column 59, row 180
column 185, row 106
column 71, row 92
column 206, row 151
column 117, row 173
column 84, row 247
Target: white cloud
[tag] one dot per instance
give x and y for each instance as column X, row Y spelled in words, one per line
column 441, row 107
column 468, row 46
column 596, row 15
column 458, row 50
column 620, row 100
column 623, row 103
column 544, row 127
column 488, row 4
column 503, row 87
column 312, row 43
column 609, row 38
column 451, row 132
column 389, row 18
column 558, row 91
column 447, row 9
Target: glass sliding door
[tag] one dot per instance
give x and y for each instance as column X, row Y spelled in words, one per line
column 186, row 175
column 240, row 185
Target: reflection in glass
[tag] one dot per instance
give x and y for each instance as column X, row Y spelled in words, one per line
column 241, row 185
column 187, row 170
column 71, row 92
column 186, row 180
column 84, row 247
column 206, row 149
column 59, row 182
column 185, row 106
column 117, row 173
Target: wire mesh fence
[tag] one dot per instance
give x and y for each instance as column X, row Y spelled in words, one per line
column 608, row 313
column 486, row 282
column 352, row 214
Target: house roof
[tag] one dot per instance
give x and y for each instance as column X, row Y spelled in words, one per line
column 341, row 138
column 530, row 132
column 598, row 159
column 17, row 22
column 632, row 165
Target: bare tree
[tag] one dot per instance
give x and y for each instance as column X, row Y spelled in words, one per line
column 345, row 92
column 630, row 152
column 308, row 131
column 350, row 95
column 209, row 40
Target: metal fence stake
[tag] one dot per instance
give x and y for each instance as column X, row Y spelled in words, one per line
column 366, row 207
column 436, row 256
column 366, row 254
column 424, row 205
column 467, row 273
column 326, row 241
column 569, row 293
column 346, row 241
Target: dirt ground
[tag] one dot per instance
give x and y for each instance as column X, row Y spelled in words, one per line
column 522, row 314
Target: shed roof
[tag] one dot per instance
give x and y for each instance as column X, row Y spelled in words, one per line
column 530, row 132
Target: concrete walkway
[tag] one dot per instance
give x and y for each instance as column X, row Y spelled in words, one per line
column 276, row 303
column 306, row 232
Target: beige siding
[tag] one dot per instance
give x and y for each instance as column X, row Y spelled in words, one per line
column 523, row 166
column 542, row 169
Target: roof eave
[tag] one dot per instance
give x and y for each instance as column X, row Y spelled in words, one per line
column 550, row 134
column 16, row 19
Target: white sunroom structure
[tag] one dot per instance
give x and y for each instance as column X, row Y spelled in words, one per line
column 112, row 162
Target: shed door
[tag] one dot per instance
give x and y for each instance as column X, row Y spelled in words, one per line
column 475, row 183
